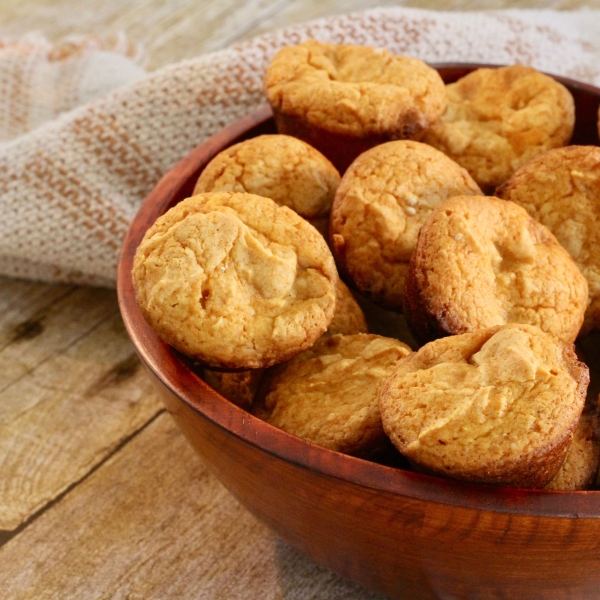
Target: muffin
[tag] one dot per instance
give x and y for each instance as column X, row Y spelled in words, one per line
column 481, row 262
column 496, row 406
column 348, row 317
column 280, row 167
column 237, row 386
column 561, row 190
column 235, row 281
column 240, row 386
column 383, row 199
column 496, row 120
column 578, row 471
column 328, row 394
column 343, row 99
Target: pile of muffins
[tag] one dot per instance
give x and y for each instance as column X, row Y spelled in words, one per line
column 461, row 209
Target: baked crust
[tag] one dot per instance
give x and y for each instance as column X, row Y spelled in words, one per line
column 241, row 386
column 496, row 120
column 237, row 386
column 578, row 471
column 495, row 406
column 328, row 394
column 349, row 317
column 384, row 198
column 280, row 167
column 235, row 281
column 481, row 262
column 355, row 90
column 561, row 190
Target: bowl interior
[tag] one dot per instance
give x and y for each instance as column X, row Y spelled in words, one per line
column 174, row 372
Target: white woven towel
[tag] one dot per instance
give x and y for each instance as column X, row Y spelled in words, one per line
column 70, row 184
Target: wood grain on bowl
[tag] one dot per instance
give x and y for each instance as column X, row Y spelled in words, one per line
column 405, row 534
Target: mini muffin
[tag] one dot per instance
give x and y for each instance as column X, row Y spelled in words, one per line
column 498, row 119
column 280, row 167
column 343, row 99
column 240, row 386
column 495, row 406
column 384, row 198
column 481, row 262
column 578, row 471
column 561, row 190
column 235, row 281
column 328, row 394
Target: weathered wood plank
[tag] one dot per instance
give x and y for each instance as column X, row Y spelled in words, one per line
column 153, row 523
column 21, row 297
column 68, row 415
column 34, row 330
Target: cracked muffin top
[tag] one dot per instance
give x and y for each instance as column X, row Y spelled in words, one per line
column 495, row 406
column 234, row 280
column 280, row 167
column 481, row 262
column 355, row 90
column 328, row 394
column 240, row 386
column 561, row 190
column 383, row 199
column 498, row 119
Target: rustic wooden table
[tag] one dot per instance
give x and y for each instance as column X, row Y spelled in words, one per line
column 100, row 495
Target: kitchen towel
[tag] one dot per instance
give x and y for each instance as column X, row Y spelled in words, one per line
column 85, row 133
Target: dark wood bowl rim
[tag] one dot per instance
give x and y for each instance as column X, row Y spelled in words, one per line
column 167, row 367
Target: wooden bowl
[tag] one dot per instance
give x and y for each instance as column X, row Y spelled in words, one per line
column 405, row 534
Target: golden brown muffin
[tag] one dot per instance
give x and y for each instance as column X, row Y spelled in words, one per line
column 328, row 394
column 348, row 318
column 561, row 190
column 280, row 167
column 383, row 199
column 235, row 281
column 240, row 386
column 578, row 471
column 480, row 262
column 498, row 119
column 343, row 99
column 495, row 406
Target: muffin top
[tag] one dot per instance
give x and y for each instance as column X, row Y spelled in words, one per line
column 383, row 199
column 480, row 262
column 234, row 280
column 240, row 386
column 328, row 394
column 498, row 119
column 355, row 90
column 495, row 406
column 280, row 167
column 561, row 189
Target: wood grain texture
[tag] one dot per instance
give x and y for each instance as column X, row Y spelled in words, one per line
column 402, row 545
column 149, row 524
column 71, row 392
